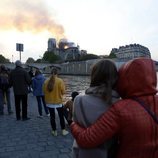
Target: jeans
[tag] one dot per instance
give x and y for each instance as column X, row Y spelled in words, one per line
column 40, row 100
column 7, row 95
column 61, row 117
column 18, row 100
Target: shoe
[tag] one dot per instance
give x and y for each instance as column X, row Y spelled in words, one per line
column 40, row 116
column 64, row 132
column 48, row 115
column 54, row 133
column 26, row 119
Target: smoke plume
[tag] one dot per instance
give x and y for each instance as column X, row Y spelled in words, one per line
column 29, row 16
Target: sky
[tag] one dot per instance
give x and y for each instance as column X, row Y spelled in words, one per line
column 95, row 25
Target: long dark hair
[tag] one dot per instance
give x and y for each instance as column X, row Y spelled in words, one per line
column 51, row 82
column 104, row 73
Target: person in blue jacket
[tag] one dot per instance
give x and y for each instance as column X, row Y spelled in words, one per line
column 37, row 84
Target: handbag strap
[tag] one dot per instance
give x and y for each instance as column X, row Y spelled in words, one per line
column 83, row 113
column 151, row 113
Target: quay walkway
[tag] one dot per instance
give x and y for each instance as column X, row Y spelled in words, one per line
column 31, row 138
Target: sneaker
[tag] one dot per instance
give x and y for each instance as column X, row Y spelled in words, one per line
column 54, row 133
column 40, row 116
column 48, row 115
column 64, row 132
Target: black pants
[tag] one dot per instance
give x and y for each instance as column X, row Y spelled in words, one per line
column 18, row 100
column 61, row 117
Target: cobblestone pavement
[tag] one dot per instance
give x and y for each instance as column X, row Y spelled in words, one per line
column 31, row 138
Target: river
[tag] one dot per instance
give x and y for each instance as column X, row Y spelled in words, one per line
column 77, row 83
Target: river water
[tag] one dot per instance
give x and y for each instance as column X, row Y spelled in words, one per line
column 77, row 83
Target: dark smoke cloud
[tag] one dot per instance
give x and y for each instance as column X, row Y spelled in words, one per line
column 29, row 15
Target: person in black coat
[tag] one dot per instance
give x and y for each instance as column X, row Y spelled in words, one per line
column 20, row 80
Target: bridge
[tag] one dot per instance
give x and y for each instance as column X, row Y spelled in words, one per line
column 69, row 68
column 44, row 67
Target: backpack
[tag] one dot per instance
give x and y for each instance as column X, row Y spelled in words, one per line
column 4, row 81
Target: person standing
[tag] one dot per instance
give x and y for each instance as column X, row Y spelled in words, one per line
column 97, row 99
column 133, row 119
column 54, row 90
column 68, row 107
column 20, row 80
column 5, row 89
column 37, row 83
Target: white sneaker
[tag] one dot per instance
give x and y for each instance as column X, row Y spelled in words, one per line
column 48, row 115
column 64, row 132
column 54, row 133
column 40, row 116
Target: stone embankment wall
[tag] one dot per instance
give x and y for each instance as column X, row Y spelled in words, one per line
column 80, row 68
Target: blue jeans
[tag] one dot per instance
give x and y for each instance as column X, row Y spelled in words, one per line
column 40, row 100
column 1, row 102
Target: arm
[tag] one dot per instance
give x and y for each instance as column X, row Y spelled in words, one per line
column 62, row 87
column 103, row 129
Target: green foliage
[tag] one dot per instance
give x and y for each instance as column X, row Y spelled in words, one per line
column 50, row 57
column 89, row 56
column 3, row 59
column 30, row 60
column 38, row 61
column 112, row 55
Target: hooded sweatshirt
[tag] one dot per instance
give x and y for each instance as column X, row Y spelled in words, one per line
column 136, row 129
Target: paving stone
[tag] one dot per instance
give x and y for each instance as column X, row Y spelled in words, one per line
column 32, row 138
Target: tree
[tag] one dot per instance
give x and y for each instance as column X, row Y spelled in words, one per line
column 112, row 55
column 50, row 57
column 38, row 61
column 89, row 56
column 30, row 60
column 3, row 59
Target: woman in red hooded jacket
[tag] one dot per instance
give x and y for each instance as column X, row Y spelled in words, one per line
column 136, row 129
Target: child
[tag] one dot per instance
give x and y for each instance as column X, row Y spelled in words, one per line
column 68, row 107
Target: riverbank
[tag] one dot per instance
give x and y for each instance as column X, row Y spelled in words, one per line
column 32, row 138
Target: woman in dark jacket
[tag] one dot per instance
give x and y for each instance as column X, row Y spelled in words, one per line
column 136, row 129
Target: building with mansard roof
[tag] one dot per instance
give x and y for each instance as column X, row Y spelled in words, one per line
column 131, row 51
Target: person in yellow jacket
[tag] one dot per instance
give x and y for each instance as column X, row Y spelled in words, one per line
column 54, row 89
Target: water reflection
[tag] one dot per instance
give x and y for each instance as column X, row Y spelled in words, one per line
column 75, row 83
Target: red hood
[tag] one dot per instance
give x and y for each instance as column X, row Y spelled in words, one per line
column 137, row 78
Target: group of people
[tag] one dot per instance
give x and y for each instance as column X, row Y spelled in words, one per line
column 48, row 92
column 117, row 117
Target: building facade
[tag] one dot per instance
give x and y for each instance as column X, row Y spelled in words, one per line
column 131, row 51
